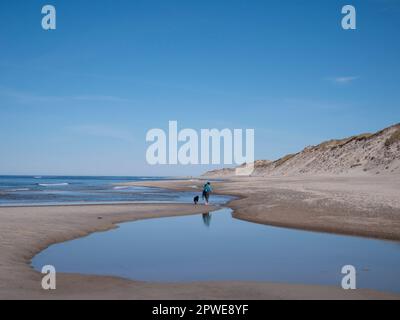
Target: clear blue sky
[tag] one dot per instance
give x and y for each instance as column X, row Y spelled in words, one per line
column 80, row 99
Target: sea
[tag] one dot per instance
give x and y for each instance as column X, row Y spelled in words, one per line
column 56, row 190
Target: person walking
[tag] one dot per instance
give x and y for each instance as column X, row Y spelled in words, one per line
column 207, row 189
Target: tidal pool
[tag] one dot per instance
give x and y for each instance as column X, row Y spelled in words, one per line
column 219, row 247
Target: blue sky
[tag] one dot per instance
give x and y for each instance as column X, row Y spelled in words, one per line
column 80, row 99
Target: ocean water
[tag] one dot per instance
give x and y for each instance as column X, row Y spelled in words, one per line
column 26, row 190
column 218, row 247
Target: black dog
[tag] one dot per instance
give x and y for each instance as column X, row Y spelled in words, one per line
column 196, row 199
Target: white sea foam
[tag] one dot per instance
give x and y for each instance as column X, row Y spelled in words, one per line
column 120, row 188
column 53, row 184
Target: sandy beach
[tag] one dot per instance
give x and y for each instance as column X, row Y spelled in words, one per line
column 115, row 115
column 25, row 231
column 367, row 206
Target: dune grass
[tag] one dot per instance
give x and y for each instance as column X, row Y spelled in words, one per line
column 395, row 137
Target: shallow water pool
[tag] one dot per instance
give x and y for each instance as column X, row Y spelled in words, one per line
column 219, row 247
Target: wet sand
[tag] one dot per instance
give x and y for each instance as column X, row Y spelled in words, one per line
column 25, row 231
column 366, row 206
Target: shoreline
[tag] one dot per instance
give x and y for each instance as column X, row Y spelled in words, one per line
column 319, row 204
column 88, row 204
column 25, row 231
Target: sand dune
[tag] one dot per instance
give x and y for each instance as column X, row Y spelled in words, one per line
column 364, row 154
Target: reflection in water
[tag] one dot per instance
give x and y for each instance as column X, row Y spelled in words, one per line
column 183, row 249
column 207, row 219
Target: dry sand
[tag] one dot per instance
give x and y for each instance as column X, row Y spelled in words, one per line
column 25, row 231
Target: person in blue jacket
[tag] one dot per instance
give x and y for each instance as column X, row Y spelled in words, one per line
column 207, row 189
